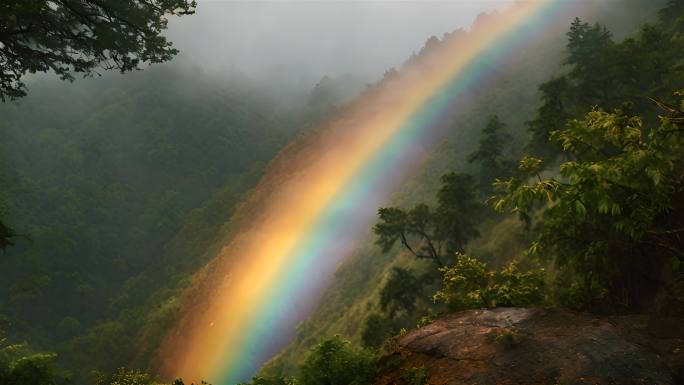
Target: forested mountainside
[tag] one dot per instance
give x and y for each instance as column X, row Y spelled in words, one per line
column 561, row 187
column 117, row 189
column 377, row 294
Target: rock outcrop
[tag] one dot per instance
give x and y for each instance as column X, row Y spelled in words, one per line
column 539, row 346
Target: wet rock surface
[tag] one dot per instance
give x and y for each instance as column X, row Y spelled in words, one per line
column 539, row 346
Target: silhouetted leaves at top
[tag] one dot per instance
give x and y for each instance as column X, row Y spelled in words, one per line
column 79, row 36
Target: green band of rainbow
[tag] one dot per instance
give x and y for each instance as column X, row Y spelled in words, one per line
column 328, row 199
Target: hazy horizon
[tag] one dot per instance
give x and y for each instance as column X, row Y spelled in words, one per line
column 274, row 40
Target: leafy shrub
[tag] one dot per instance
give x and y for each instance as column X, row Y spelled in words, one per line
column 276, row 380
column 507, row 338
column 335, row 362
column 424, row 321
column 123, row 376
column 20, row 366
column 469, row 285
column 415, row 376
column 400, row 291
column 402, row 298
column 376, row 329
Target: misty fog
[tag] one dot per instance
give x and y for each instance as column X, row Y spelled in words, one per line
column 296, row 43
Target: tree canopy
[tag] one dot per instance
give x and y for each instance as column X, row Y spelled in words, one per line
column 434, row 234
column 80, row 36
column 334, row 361
column 19, row 365
column 612, row 219
column 467, row 284
column 602, row 72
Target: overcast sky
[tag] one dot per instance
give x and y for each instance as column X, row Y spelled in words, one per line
column 303, row 40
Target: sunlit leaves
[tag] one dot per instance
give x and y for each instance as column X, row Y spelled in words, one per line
column 20, row 366
column 469, row 284
column 530, row 165
column 619, row 180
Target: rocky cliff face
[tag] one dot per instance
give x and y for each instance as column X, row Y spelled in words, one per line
column 537, row 346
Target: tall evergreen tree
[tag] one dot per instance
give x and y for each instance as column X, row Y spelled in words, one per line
column 589, row 54
column 490, row 154
column 551, row 116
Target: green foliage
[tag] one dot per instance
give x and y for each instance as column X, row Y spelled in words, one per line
column 120, row 202
column 424, row 321
column 426, row 234
column 399, row 297
column 377, row 328
column 402, row 299
column 507, row 338
column 612, row 219
column 415, row 376
column 80, row 36
column 512, row 287
column 464, row 283
column 336, row 362
column 589, row 55
column 106, row 344
column 604, row 73
column 434, row 234
column 103, row 223
column 123, row 376
column 469, row 285
column 69, row 327
column 38, row 369
column 20, row 366
column 459, row 211
column 551, row 116
column 591, row 81
column 399, row 292
column 276, row 380
column 490, row 154
column 332, row 361
column 346, row 304
column 618, row 181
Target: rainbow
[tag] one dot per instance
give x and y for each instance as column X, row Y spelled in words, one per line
column 319, row 197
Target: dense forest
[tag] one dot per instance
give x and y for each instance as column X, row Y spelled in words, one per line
column 114, row 203
column 560, row 189
column 101, row 189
